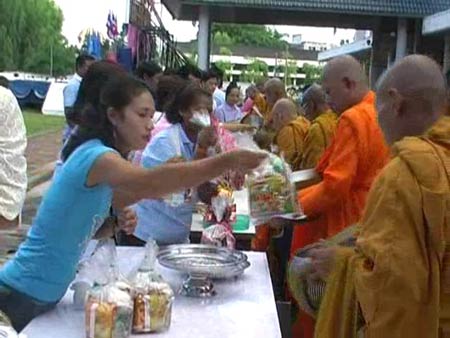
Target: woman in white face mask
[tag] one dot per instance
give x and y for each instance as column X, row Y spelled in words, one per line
column 190, row 137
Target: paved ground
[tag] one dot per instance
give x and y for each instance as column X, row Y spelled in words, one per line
column 42, row 150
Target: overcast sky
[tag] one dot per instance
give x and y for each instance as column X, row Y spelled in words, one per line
column 80, row 15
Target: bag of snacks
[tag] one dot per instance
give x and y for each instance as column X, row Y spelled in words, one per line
column 271, row 192
column 6, row 329
column 153, row 297
column 109, row 305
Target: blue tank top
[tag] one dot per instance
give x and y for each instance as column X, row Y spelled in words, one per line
column 68, row 217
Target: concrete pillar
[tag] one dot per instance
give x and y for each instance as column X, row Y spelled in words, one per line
column 402, row 39
column 204, row 38
column 446, row 63
column 382, row 46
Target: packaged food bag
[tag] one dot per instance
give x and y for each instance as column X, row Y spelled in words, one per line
column 153, row 297
column 6, row 329
column 109, row 305
column 270, row 191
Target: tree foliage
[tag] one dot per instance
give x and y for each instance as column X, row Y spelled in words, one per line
column 249, row 35
column 255, row 70
column 30, row 31
column 312, row 73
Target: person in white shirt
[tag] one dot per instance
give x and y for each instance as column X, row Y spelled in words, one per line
column 13, row 165
column 82, row 64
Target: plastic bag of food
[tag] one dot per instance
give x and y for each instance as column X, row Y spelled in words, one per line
column 6, row 329
column 221, row 213
column 270, row 190
column 153, row 297
column 109, row 305
column 219, row 235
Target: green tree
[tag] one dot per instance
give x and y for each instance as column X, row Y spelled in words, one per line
column 225, row 66
column 30, row 32
column 312, row 73
column 249, row 35
column 288, row 67
column 255, row 70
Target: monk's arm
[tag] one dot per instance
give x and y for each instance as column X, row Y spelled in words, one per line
column 314, row 147
column 337, row 177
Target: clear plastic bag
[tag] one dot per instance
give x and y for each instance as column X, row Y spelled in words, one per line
column 109, row 305
column 270, row 190
column 6, row 329
column 220, row 214
column 153, row 297
column 178, row 198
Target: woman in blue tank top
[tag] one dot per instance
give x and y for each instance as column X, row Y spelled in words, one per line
column 93, row 175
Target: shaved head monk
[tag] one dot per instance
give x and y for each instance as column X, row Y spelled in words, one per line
column 290, row 130
column 350, row 164
column 399, row 274
column 323, row 125
column 274, row 90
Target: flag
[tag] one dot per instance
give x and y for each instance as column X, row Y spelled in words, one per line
column 111, row 25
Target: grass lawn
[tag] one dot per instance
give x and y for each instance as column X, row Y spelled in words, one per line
column 37, row 123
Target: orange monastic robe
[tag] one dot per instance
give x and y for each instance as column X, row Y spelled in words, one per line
column 318, row 139
column 399, row 276
column 348, row 168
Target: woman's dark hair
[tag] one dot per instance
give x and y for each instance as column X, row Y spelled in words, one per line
column 168, row 87
column 149, row 68
column 231, row 86
column 94, row 122
column 189, row 69
column 184, row 99
column 98, row 75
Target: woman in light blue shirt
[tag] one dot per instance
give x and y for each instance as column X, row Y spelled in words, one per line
column 165, row 220
column 75, row 208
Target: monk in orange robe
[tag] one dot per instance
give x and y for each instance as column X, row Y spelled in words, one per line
column 291, row 130
column 398, row 278
column 274, row 90
column 323, row 126
column 349, row 165
column 352, row 161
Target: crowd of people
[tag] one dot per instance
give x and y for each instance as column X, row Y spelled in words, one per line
column 140, row 146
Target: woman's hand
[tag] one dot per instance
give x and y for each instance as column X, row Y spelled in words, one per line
column 246, row 160
column 207, row 138
column 127, row 221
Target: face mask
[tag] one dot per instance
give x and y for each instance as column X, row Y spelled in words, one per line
column 201, row 119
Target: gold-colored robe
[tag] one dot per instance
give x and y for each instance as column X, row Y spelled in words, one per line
column 399, row 275
column 290, row 141
column 319, row 137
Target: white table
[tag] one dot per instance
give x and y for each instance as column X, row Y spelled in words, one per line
column 243, row 307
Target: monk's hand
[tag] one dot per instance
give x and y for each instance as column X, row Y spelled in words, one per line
column 127, row 221
column 323, row 260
